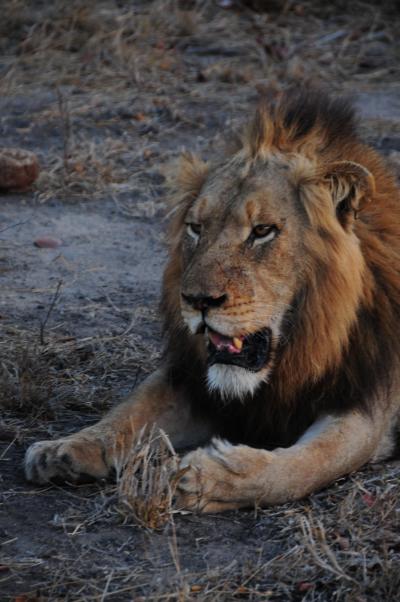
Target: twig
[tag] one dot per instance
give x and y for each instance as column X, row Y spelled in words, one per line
column 109, row 579
column 6, row 450
column 66, row 132
column 14, row 226
column 51, row 307
column 310, row 543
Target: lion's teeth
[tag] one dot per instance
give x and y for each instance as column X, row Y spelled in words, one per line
column 238, row 343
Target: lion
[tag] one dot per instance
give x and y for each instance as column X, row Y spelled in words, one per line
column 281, row 305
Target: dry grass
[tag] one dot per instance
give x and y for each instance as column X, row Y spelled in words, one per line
column 341, row 544
column 39, row 382
column 84, row 41
column 147, row 479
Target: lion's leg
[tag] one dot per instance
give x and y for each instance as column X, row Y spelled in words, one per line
column 222, row 476
column 95, row 450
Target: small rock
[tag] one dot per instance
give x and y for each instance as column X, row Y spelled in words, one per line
column 369, row 499
column 47, row 243
column 343, row 543
column 18, row 169
column 305, row 586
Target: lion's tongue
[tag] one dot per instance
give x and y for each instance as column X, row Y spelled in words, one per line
column 232, row 345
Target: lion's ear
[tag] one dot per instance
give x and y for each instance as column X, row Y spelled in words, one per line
column 192, row 173
column 351, row 186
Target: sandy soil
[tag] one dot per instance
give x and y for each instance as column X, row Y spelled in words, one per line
column 107, row 116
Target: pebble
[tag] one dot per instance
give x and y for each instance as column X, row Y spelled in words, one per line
column 47, row 243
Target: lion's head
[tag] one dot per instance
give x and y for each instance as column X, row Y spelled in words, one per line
column 268, row 272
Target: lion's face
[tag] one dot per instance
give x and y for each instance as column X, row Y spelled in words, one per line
column 267, row 242
column 241, row 266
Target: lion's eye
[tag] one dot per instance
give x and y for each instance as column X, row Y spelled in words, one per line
column 194, row 230
column 264, row 232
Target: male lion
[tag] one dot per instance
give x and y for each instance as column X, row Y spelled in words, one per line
column 281, row 301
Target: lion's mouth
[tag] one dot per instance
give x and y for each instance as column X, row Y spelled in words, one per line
column 251, row 352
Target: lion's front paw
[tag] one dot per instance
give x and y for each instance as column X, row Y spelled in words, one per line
column 69, row 459
column 222, row 477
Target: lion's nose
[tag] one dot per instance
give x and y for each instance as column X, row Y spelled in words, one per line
column 203, row 303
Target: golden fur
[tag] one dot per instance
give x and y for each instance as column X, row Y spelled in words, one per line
column 316, row 296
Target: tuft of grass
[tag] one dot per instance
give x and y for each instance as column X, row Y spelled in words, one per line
column 147, row 480
column 25, row 384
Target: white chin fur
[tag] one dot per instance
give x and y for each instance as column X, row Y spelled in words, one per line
column 192, row 322
column 233, row 381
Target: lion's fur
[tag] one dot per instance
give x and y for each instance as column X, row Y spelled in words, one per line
column 340, row 348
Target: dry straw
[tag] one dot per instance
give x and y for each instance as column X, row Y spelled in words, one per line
column 147, row 478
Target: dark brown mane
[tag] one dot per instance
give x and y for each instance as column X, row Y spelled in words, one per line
column 306, row 111
column 301, row 117
column 354, row 371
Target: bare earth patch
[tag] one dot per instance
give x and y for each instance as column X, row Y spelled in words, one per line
column 107, row 95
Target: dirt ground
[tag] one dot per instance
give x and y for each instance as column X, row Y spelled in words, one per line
column 108, row 94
